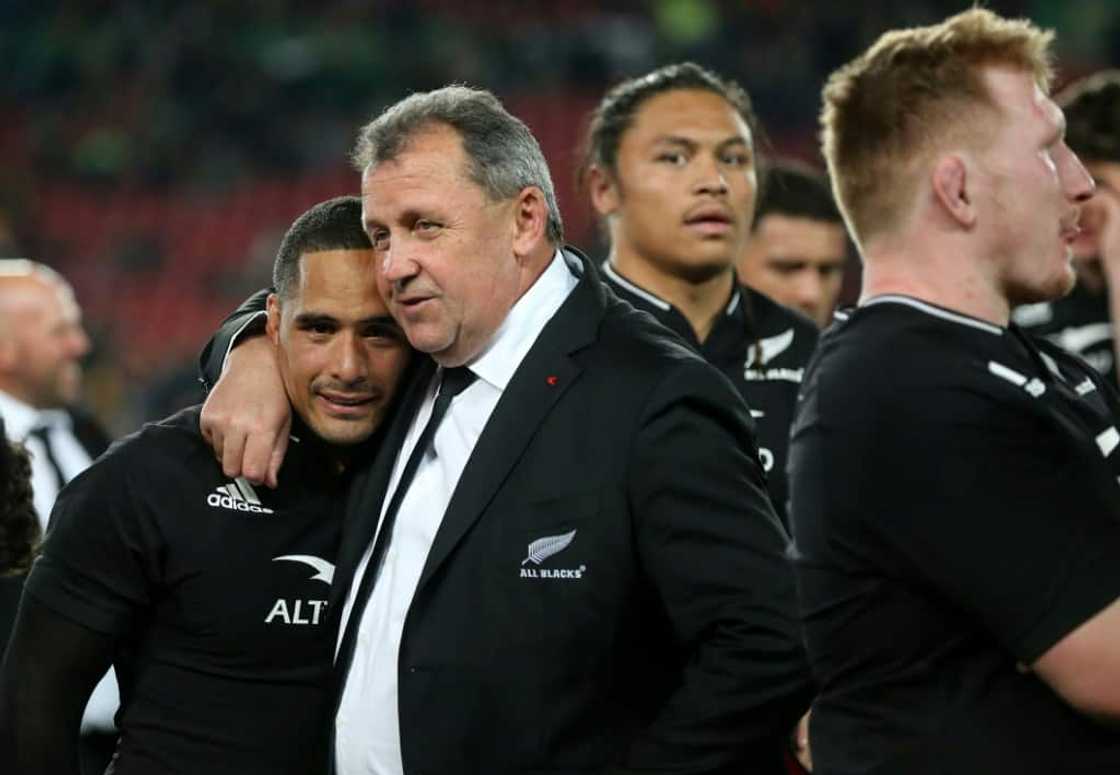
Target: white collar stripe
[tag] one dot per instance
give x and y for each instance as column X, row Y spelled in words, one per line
column 929, row 309
column 609, row 271
column 734, row 305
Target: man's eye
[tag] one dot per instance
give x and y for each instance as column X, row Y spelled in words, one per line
column 380, row 240
column 383, row 333
column 426, row 227
column 736, row 159
column 676, row 158
column 788, row 269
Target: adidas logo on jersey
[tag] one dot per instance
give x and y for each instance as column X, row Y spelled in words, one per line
column 238, row 495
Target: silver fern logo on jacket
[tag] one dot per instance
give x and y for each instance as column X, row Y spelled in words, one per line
column 544, row 548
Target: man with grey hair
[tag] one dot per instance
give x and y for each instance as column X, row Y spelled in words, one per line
column 563, row 556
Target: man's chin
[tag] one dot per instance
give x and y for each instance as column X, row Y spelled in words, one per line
column 1059, row 287
column 341, row 433
column 702, row 269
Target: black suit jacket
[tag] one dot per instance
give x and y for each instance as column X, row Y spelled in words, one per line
column 662, row 636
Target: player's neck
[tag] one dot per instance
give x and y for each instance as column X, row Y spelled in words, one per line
column 939, row 277
column 699, row 300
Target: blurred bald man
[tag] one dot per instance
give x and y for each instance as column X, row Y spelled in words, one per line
column 42, row 343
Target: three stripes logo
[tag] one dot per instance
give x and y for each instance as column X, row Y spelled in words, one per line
column 238, row 495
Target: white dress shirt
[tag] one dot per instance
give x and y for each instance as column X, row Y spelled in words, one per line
column 367, row 725
column 19, row 420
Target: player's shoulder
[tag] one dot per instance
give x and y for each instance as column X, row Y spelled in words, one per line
column 634, row 340
column 897, row 346
column 641, row 363
column 161, row 463
column 782, row 338
column 175, row 439
column 771, row 317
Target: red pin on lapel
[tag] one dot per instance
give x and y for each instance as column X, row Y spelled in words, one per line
column 552, row 379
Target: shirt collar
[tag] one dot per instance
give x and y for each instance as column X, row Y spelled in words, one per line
column 20, row 418
column 934, row 310
column 524, row 323
column 618, row 281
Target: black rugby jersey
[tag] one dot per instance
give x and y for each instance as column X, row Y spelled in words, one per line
column 1079, row 323
column 955, row 512
column 216, row 592
column 762, row 347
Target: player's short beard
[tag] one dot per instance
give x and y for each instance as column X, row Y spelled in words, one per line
column 1058, row 287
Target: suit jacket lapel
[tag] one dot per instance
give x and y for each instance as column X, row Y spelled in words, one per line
column 367, row 491
column 543, row 377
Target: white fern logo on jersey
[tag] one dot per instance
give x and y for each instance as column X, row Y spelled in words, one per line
column 238, row 495
column 543, row 548
column 549, row 546
column 770, row 348
column 757, row 367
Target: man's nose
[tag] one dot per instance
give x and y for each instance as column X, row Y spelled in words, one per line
column 348, row 362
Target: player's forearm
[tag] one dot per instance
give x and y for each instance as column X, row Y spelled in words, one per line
column 49, row 670
column 1083, row 668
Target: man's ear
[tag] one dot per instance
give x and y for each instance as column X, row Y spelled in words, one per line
column 603, row 189
column 952, row 181
column 530, row 220
column 272, row 327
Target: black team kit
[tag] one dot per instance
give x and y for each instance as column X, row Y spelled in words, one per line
column 955, row 512
column 216, row 594
column 762, row 347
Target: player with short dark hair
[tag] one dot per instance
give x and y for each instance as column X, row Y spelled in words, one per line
column 798, row 248
column 211, row 596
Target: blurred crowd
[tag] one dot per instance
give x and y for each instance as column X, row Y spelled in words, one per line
column 155, row 151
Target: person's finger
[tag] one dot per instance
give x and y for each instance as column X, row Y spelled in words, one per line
column 211, row 433
column 279, row 449
column 233, row 447
column 257, row 455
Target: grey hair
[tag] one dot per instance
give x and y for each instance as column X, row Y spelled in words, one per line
column 504, row 157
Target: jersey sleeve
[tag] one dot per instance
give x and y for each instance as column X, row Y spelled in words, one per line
column 245, row 321
column 100, row 562
column 996, row 506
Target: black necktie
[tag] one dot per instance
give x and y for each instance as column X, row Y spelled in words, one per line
column 43, row 434
column 453, row 382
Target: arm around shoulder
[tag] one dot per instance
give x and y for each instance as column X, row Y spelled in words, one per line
column 246, row 417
